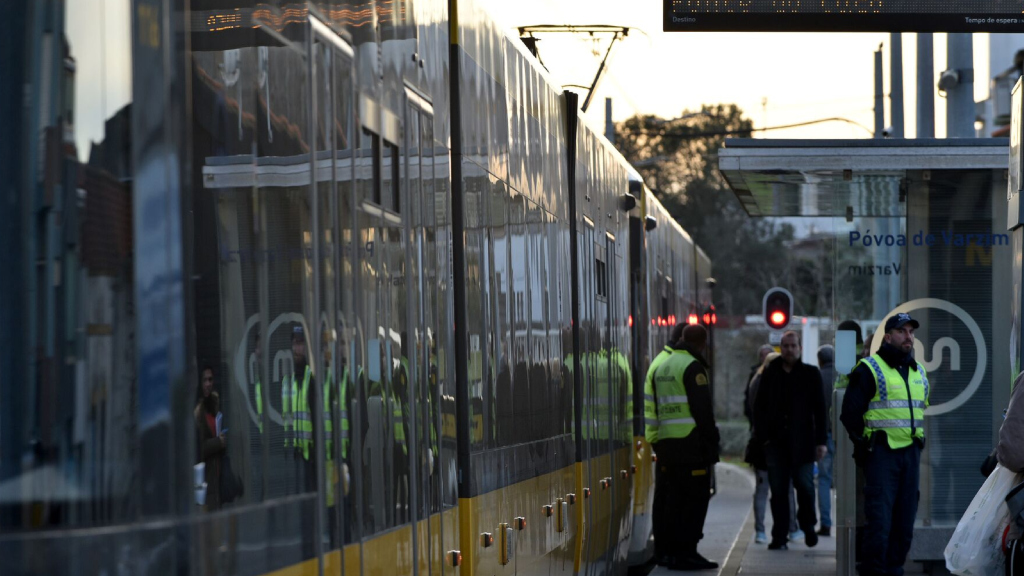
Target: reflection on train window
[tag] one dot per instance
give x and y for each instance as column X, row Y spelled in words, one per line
column 253, row 266
column 69, row 415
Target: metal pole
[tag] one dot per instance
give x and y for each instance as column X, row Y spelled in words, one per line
column 879, row 95
column 845, row 475
column 960, row 98
column 925, row 86
column 896, row 83
column 609, row 126
column 597, row 77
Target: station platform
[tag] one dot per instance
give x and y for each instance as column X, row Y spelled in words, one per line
column 729, row 535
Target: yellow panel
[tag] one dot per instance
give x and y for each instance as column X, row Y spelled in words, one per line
column 539, row 547
column 643, row 479
column 389, row 554
column 307, row 568
column 469, row 538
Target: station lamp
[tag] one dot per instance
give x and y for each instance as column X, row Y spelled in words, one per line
column 777, row 308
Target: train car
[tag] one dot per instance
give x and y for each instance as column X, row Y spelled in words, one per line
column 318, row 287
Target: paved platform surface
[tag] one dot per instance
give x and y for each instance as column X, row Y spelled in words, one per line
column 729, row 536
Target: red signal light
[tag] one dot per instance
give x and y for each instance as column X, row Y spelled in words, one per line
column 778, row 318
column 692, row 319
column 707, row 318
column 630, row 320
column 714, row 318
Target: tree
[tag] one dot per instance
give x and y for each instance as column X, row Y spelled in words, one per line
column 678, row 160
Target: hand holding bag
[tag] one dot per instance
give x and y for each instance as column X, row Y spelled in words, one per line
column 976, row 546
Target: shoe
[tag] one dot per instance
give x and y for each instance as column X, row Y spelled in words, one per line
column 661, row 559
column 798, row 535
column 692, row 561
column 825, row 531
column 760, row 538
column 811, row 540
column 778, row 545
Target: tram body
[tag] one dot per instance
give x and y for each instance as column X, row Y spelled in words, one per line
column 479, row 281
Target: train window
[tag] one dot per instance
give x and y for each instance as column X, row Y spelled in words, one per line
column 375, row 145
column 601, row 280
column 392, row 186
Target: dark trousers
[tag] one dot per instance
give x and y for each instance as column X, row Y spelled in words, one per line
column 780, row 472
column 890, row 507
column 681, row 496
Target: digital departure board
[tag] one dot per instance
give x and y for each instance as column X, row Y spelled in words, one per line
column 843, row 15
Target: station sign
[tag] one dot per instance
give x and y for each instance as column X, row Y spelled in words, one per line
column 843, row 15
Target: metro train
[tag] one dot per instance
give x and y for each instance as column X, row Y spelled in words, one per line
column 394, row 194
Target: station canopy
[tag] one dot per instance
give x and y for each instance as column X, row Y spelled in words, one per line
column 831, row 178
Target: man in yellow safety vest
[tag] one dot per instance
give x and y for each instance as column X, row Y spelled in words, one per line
column 883, row 412
column 651, row 433
column 683, row 423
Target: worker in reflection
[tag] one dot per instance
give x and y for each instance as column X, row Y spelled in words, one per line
column 303, row 402
column 651, row 433
column 687, row 446
column 400, row 422
column 883, row 412
column 257, row 358
column 303, row 407
column 328, row 416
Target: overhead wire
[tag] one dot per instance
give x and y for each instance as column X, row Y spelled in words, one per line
column 746, row 131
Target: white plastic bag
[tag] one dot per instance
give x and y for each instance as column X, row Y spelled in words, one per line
column 976, row 546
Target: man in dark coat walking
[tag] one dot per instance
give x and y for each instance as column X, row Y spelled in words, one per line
column 789, row 420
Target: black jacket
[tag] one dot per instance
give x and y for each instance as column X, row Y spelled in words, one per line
column 797, row 394
column 700, row 448
column 861, row 389
column 746, row 395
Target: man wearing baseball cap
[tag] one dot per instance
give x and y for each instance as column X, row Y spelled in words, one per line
column 883, row 412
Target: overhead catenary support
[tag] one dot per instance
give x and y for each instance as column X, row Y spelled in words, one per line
column 609, row 126
column 896, row 84
column 925, row 86
column 879, row 95
column 958, row 82
column 616, row 32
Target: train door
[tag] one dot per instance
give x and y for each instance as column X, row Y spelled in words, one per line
column 593, row 312
column 333, row 100
column 619, row 388
column 386, row 346
column 605, row 401
column 425, row 391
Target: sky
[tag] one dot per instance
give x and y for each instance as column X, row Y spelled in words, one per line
column 102, row 65
column 775, row 78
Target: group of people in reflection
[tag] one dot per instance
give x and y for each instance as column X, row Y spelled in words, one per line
column 380, row 427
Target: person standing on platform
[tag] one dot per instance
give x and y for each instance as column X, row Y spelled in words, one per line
column 826, row 365
column 687, row 446
column 755, row 370
column 883, row 412
column 651, row 434
column 789, row 421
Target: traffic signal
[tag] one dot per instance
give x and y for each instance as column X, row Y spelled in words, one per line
column 710, row 317
column 778, row 308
